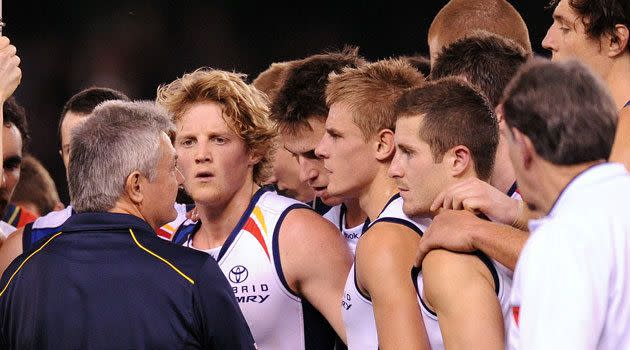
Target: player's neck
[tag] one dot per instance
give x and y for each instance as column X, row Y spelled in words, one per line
column 618, row 81
column 554, row 179
column 124, row 206
column 503, row 176
column 217, row 222
column 375, row 196
column 354, row 214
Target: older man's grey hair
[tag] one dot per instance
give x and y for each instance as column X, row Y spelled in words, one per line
column 117, row 139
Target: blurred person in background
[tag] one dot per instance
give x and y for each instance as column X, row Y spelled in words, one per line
column 36, row 190
column 14, row 139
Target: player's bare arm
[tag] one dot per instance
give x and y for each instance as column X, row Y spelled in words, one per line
column 461, row 291
column 462, row 231
column 10, row 249
column 385, row 256
column 621, row 148
column 315, row 261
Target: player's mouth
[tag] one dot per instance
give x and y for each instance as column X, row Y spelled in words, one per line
column 204, row 175
column 320, row 191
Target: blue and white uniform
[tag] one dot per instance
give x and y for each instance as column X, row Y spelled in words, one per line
column 357, row 308
column 250, row 259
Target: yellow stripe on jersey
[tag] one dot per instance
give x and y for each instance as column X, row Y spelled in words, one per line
column 169, row 228
column 160, row 258
column 259, row 215
column 25, row 260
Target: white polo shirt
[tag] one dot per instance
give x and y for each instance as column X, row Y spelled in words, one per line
column 571, row 285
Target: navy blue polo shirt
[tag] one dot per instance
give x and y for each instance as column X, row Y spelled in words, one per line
column 106, row 281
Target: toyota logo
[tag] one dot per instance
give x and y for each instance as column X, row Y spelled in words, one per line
column 238, row 274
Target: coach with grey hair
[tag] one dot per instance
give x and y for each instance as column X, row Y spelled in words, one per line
column 572, row 281
column 106, row 281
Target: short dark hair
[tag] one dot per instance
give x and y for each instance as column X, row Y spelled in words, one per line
column 486, row 60
column 15, row 114
column 454, row 113
column 420, row 62
column 600, row 16
column 303, row 93
column 86, row 100
column 563, row 109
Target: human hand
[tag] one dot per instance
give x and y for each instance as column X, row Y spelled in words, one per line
column 450, row 230
column 10, row 72
column 478, row 196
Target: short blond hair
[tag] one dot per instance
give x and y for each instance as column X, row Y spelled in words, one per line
column 371, row 92
column 244, row 107
column 460, row 18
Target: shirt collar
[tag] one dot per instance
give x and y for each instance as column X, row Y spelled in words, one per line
column 575, row 188
column 104, row 221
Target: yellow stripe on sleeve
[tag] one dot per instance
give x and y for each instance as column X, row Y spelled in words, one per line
column 25, row 260
column 160, row 258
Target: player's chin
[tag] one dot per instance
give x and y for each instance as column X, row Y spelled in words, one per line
column 410, row 209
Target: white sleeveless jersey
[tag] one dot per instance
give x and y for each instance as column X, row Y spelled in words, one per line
column 337, row 215
column 357, row 308
column 250, row 259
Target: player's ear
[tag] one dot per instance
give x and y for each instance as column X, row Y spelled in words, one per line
column 524, row 146
column 133, row 187
column 617, row 44
column 384, row 145
column 254, row 158
column 459, row 160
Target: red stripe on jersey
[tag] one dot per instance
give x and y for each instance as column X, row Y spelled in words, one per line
column 164, row 234
column 515, row 313
column 251, row 227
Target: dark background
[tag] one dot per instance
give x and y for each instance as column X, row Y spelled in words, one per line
column 136, row 45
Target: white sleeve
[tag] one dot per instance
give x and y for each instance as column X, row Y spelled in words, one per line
column 564, row 284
